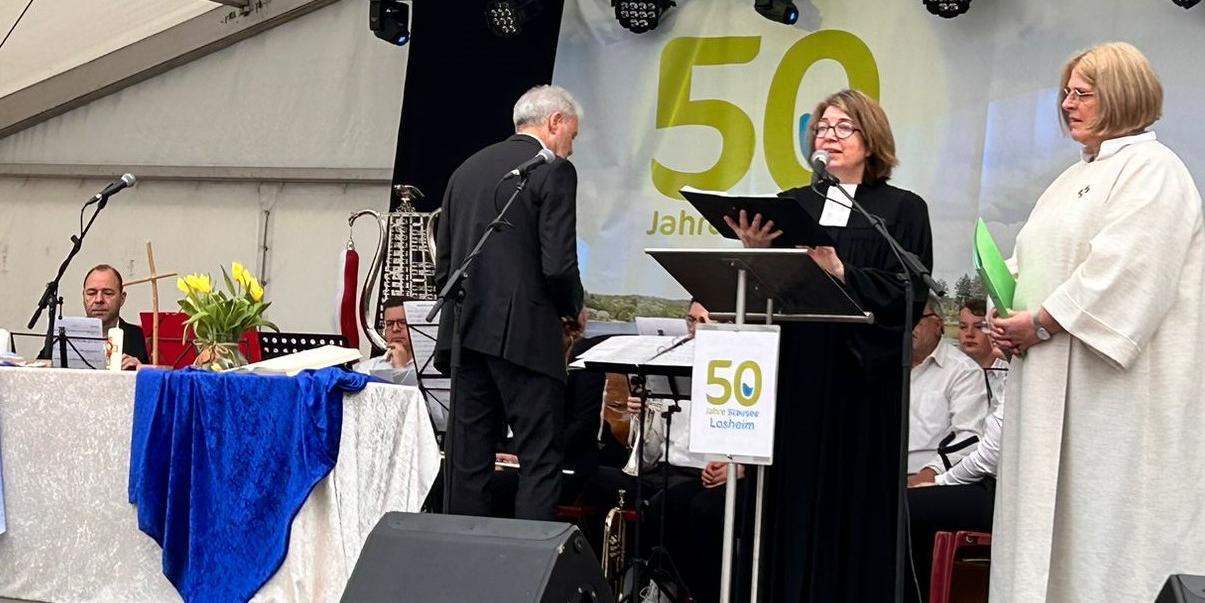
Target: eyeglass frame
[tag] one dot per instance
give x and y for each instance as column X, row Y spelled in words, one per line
column 1077, row 95
column 817, row 130
column 399, row 323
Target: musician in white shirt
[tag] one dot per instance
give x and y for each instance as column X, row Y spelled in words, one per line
column 949, row 400
column 396, row 365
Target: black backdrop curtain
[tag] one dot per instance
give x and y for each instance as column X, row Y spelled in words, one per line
column 461, row 83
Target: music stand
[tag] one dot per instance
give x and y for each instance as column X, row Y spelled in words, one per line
column 790, row 287
column 275, row 345
column 434, row 385
column 642, row 364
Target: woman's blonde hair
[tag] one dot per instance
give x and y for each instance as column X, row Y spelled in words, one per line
column 872, row 122
column 1128, row 94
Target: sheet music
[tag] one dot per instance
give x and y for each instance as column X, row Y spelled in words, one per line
column 676, row 327
column 649, row 350
column 436, row 386
column 90, row 350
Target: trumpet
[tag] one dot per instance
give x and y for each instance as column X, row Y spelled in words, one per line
column 615, row 540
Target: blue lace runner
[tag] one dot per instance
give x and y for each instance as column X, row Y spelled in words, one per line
column 221, row 463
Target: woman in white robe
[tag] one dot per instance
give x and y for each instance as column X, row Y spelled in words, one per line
column 1102, row 476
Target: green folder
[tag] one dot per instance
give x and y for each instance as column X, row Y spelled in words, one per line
column 996, row 277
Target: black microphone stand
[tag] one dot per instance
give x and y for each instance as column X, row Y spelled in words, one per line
column 912, row 267
column 454, row 289
column 50, row 297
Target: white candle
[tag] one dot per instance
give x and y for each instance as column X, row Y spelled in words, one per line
column 116, row 353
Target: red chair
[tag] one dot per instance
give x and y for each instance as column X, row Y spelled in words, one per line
column 967, row 552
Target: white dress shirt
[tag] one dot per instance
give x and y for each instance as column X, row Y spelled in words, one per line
column 949, row 395
column 997, row 378
column 654, row 439
column 982, row 461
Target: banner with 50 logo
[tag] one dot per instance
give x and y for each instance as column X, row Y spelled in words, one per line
column 734, row 392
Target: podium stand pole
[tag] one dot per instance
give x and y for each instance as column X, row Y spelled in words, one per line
column 742, row 282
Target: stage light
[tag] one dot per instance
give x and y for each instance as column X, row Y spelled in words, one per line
column 1186, row 3
column 639, row 16
column 506, row 17
column 389, row 20
column 948, row 8
column 779, row 11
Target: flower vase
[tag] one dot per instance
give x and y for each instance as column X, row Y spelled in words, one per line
column 219, row 355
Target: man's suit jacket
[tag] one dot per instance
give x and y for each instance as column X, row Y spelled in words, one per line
column 526, row 277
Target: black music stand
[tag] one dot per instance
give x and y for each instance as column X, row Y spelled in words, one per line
column 788, row 286
column 653, row 366
column 434, row 384
column 275, row 345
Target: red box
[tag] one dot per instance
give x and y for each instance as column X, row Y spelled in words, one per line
column 177, row 351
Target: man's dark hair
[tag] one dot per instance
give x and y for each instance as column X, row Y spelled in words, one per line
column 120, row 282
column 977, row 306
column 394, row 301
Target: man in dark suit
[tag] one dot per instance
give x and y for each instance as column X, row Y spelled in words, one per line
column 104, row 295
column 520, row 295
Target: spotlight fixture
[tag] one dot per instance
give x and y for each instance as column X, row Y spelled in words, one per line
column 948, row 9
column 779, row 11
column 389, row 20
column 639, row 16
column 1186, row 4
column 506, row 17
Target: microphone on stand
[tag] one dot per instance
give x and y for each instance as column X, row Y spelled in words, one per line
column 126, row 180
column 819, row 163
column 544, row 156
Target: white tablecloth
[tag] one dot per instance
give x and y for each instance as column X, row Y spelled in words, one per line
column 73, row 535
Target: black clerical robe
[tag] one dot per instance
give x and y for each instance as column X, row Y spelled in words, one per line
column 833, row 488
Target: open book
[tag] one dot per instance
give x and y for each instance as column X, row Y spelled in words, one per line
column 291, row 364
column 797, row 226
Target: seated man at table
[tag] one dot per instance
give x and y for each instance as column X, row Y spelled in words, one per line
column 104, row 294
column 396, row 365
column 949, row 400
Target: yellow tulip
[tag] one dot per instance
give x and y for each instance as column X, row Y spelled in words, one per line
column 182, row 285
column 240, row 274
column 199, row 283
column 256, row 290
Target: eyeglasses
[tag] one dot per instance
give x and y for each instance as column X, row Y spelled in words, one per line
column 395, row 324
column 1077, row 94
column 842, row 129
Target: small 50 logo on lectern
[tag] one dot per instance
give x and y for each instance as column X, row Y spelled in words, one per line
column 744, row 383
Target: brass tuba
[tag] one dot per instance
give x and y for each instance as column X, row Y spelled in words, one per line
column 615, row 541
column 404, row 262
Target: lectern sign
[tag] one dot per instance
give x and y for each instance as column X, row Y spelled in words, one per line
column 733, row 392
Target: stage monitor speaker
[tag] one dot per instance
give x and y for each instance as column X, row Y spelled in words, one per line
column 1182, row 588
column 429, row 558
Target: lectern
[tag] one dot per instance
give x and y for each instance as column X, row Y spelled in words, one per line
column 781, row 285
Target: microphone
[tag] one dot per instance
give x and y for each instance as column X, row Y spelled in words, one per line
column 121, row 183
column 819, row 165
column 544, row 156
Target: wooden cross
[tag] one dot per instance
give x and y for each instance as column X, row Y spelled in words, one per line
column 153, row 278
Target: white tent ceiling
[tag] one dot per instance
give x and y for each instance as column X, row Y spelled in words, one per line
column 56, row 35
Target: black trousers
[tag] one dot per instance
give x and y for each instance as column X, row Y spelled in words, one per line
column 944, row 509
column 492, row 393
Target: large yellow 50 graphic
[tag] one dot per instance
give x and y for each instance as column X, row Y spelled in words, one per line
column 676, row 108
column 735, row 387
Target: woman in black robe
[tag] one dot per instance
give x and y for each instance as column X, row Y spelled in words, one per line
column 831, row 495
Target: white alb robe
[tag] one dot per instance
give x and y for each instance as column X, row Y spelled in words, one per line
column 1102, row 474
